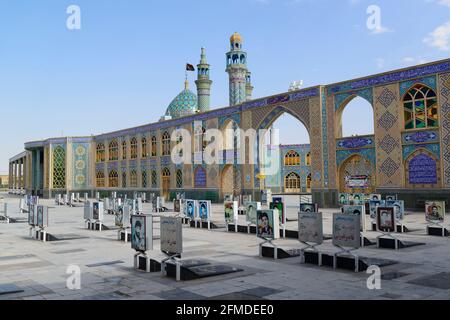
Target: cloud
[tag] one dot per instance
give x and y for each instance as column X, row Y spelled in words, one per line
column 440, row 37
column 445, row 2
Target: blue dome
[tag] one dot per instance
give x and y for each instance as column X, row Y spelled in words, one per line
column 183, row 105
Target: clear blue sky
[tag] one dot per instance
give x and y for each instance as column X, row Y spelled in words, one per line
column 126, row 63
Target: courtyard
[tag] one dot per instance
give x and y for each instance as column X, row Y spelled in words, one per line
column 34, row 270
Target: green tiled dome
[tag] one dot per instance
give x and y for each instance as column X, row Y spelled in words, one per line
column 184, row 104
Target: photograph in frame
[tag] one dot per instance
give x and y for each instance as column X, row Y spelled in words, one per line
column 278, row 203
column 191, row 209
column 268, row 224
column 251, row 209
column 435, row 211
column 343, row 199
column 231, row 211
column 204, row 208
column 386, row 221
column 399, row 206
column 140, row 232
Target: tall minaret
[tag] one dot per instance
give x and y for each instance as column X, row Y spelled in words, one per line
column 237, row 70
column 248, row 86
column 203, row 84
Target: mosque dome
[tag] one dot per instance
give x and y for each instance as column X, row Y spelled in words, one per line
column 236, row 37
column 184, row 104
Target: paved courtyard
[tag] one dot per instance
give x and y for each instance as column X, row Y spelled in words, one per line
column 30, row 269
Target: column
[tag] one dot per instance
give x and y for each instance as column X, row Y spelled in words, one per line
column 16, row 175
column 25, row 173
column 10, row 177
column 38, row 170
column 21, row 174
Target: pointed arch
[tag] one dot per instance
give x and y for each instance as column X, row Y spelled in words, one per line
column 292, row 158
column 166, row 144
column 100, row 179
column 144, row 177
column 179, row 179
column 166, row 182
column 292, row 183
column 133, row 148
column 420, row 107
column 277, row 112
column 133, row 178
column 113, row 150
column 124, row 149
column 113, row 179
column 357, row 175
column 100, row 152
column 144, row 154
column 361, row 101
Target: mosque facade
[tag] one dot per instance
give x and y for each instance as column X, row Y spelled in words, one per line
column 408, row 154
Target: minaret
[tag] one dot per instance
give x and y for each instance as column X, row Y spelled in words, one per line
column 237, row 70
column 203, row 84
column 248, row 86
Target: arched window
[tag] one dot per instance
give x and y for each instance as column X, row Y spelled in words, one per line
column 134, row 148
column 308, row 183
column 113, row 179
column 308, row 159
column 154, row 179
column 100, row 179
column 420, row 108
column 124, row 179
column 166, row 173
column 100, row 155
column 200, row 177
column 179, row 179
column 133, row 179
column 355, row 117
column 144, row 148
column 59, row 168
column 113, row 151
column 154, row 146
column 292, row 182
column 166, row 144
column 124, row 150
column 166, row 183
column 292, row 158
column 144, row 178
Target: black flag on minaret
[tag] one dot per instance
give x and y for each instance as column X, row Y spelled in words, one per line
column 189, row 67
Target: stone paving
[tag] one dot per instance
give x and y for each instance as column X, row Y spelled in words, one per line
column 33, row 270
